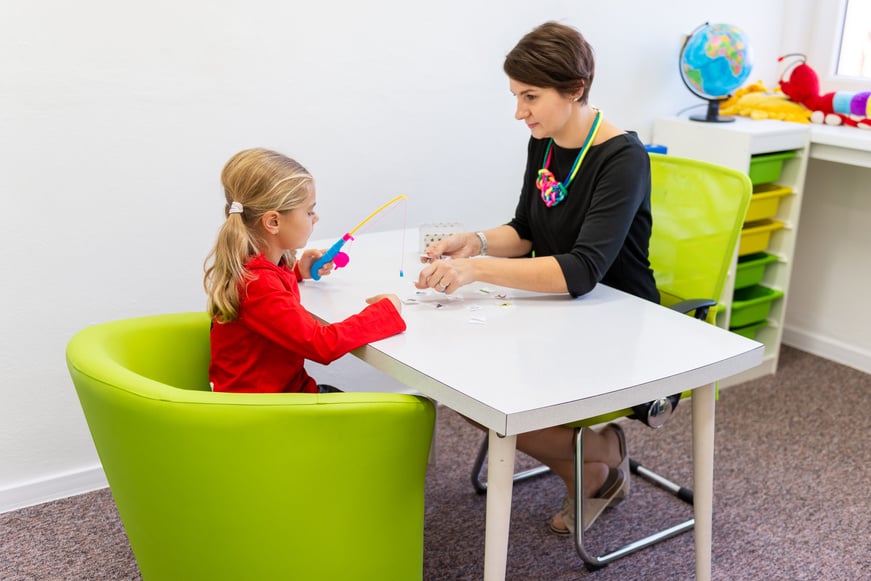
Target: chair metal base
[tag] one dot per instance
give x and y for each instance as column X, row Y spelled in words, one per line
column 595, row 562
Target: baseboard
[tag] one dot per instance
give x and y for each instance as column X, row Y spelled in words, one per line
column 828, row 348
column 53, row 488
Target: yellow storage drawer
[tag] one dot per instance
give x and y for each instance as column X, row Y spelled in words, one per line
column 755, row 236
column 765, row 201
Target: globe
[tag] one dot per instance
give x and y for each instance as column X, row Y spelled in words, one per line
column 715, row 60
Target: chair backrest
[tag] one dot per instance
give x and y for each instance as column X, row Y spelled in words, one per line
column 249, row 486
column 172, row 350
column 698, row 210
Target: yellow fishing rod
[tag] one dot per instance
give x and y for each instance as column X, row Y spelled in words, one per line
column 335, row 254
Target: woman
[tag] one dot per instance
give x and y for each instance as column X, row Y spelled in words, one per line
column 583, row 217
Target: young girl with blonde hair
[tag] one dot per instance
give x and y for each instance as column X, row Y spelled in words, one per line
column 261, row 334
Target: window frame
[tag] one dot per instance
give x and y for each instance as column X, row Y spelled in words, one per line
column 825, row 47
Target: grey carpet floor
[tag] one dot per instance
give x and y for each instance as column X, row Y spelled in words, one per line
column 792, row 498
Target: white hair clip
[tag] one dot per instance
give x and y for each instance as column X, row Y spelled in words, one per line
column 235, row 208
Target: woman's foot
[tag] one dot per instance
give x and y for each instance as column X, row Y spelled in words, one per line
column 563, row 523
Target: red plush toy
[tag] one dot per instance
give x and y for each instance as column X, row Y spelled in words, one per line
column 836, row 108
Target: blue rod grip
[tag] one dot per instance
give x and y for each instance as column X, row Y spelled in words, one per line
column 327, row 257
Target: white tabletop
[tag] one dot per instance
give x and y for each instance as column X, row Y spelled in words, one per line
column 517, row 361
column 841, row 144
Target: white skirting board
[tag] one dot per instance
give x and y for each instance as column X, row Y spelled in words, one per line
column 828, row 348
column 52, row 488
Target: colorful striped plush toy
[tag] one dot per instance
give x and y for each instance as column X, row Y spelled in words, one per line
column 835, row 108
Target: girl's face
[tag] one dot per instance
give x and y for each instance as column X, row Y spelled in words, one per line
column 545, row 111
column 296, row 226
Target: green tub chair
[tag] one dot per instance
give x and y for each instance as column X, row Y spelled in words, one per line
column 217, row 486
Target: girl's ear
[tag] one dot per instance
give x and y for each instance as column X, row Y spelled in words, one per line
column 270, row 222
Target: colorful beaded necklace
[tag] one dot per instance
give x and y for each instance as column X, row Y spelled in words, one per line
column 552, row 191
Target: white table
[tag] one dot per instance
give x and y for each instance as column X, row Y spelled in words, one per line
column 840, row 144
column 525, row 361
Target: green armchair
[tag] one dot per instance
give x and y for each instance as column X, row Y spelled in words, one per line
column 249, row 486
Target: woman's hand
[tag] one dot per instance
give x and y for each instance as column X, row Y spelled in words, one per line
column 456, row 246
column 308, row 258
column 393, row 299
column 447, row 275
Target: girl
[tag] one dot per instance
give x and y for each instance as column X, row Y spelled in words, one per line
column 261, row 335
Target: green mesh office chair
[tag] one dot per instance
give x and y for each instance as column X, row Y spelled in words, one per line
column 224, row 486
column 698, row 210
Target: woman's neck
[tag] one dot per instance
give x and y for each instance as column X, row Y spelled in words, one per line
column 577, row 127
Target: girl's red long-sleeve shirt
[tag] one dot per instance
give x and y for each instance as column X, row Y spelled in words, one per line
column 265, row 348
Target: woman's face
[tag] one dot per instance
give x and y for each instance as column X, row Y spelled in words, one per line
column 545, row 111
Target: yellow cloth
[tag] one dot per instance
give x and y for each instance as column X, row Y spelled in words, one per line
column 757, row 102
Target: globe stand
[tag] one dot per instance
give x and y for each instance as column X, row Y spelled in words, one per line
column 713, row 114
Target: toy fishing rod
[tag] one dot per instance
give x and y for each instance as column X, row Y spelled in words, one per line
column 339, row 258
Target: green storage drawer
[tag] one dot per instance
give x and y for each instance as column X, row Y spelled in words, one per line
column 752, row 304
column 751, row 268
column 766, row 168
column 748, row 331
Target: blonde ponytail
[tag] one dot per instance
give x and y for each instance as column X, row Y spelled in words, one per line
column 260, row 181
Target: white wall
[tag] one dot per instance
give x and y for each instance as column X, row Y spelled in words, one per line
column 825, row 310
column 116, row 118
column 830, row 274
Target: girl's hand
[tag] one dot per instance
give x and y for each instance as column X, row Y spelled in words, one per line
column 393, row 299
column 446, row 275
column 309, row 257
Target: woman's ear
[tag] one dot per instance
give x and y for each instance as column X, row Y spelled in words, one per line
column 270, row 222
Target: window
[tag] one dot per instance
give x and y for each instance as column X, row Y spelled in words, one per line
column 854, row 59
column 840, row 48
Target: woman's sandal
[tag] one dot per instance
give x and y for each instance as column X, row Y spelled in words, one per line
column 624, row 463
column 593, row 507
